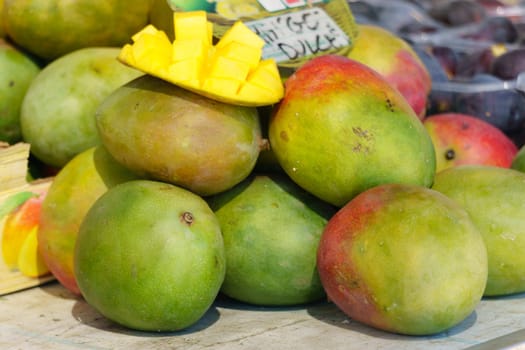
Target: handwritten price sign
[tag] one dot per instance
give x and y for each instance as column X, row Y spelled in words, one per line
column 298, row 34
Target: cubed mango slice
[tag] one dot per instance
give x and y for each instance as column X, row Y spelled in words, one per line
column 267, row 76
column 241, row 33
column 184, row 49
column 192, row 25
column 228, row 87
column 231, row 71
column 225, row 67
column 149, row 29
column 185, row 70
column 126, row 55
column 252, row 92
column 241, row 52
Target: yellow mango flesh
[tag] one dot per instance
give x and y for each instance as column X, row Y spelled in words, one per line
column 241, row 33
column 236, row 50
column 30, row 262
column 17, row 226
column 192, row 25
column 19, row 239
column 232, row 71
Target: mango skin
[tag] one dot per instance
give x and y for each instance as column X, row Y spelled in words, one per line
column 494, row 197
column 341, row 129
column 271, row 229
column 160, row 263
column 57, row 114
column 18, row 71
column 404, row 259
column 395, row 59
column 518, row 162
column 2, row 25
column 166, row 133
column 74, row 190
column 461, row 139
column 50, row 29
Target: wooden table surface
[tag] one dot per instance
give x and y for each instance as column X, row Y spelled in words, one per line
column 50, row 317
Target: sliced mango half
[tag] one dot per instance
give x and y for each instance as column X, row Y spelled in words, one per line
column 231, row 71
column 19, row 236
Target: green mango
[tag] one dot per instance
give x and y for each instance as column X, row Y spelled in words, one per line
column 18, row 71
column 518, row 162
column 58, row 112
column 52, row 28
column 404, row 259
column 73, row 191
column 271, row 229
column 494, row 197
column 158, row 265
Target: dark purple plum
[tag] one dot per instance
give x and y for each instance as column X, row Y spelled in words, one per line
column 458, row 12
column 496, row 30
column 475, row 62
column 503, row 108
column 508, row 65
column 447, row 57
column 432, row 64
column 415, row 28
column 491, row 6
column 440, row 101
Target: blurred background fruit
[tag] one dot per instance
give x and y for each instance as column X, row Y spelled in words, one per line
column 2, row 25
column 192, row 5
column 161, row 16
column 396, row 60
column 52, row 28
column 235, row 9
column 17, row 72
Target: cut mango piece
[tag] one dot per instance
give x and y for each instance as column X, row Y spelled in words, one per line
column 184, row 49
column 227, row 86
column 249, row 91
column 192, row 25
column 224, row 67
column 150, row 43
column 241, row 52
column 241, row 33
column 231, row 71
column 126, row 55
column 30, row 262
column 267, row 77
column 149, row 29
column 186, row 70
column 17, row 226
